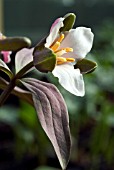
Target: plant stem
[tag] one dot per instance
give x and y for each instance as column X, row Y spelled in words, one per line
column 5, row 94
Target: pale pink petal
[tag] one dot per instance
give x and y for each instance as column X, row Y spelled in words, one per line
column 71, row 79
column 22, row 58
column 6, row 56
column 81, row 40
column 54, row 32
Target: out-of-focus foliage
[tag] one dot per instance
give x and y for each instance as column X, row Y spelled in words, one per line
column 46, row 168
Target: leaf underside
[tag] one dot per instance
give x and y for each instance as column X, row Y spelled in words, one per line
column 53, row 116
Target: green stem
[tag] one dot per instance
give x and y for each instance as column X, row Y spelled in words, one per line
column 5, row 94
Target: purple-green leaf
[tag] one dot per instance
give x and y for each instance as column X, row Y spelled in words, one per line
column 53, row 116
column 44, row 58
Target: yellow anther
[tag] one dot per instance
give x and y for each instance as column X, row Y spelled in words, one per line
column 70, row 59
column 60, row 62
column 68, row 49
column 65, row 49
column 61, row 59
column 59, row 52
column 55, row 46
column 61, row 38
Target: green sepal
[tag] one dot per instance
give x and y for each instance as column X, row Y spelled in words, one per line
column 44, row 59
column 86, row 66
column 14, row 43
column 68, row 22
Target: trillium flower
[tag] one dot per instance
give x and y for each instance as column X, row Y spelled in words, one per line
column 6, row 54
column 69, row 47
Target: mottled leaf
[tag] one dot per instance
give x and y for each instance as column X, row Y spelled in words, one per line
column 68, row 22
column 5, row 69
column 53, row 116
column 86, row 66
column 14, row 43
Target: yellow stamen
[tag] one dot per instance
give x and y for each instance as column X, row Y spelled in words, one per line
column 70, row 59
column 60, row 52
column 55, row 46
column 60, row 62
column 68, row 49
column 61, row 38
column 65, row 49
column 62, row 59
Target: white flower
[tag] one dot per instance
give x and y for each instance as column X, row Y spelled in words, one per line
column 69, row 47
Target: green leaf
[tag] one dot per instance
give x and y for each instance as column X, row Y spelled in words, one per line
column 5, row 69
column 86, row 66
column 14, row 43
column 44, row 59
column 68, row 22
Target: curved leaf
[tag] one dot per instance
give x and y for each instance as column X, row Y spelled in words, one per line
column 5, row 69
column 53, row 116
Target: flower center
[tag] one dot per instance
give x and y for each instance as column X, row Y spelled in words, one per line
column 60, row 52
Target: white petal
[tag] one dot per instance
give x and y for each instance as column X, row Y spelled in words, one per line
column 23, row 57
column 54, row 31
column 71, row 79
column 81, row 40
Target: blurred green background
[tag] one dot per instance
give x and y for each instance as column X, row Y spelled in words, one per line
column 23, row 144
